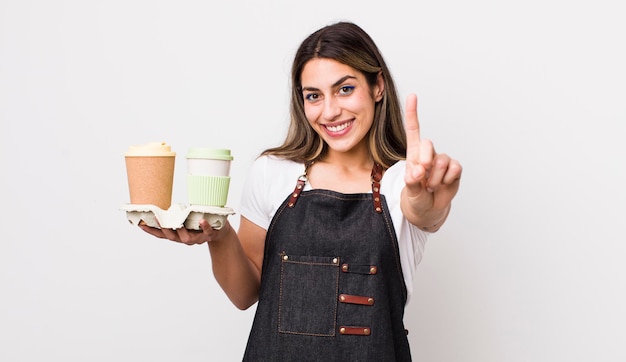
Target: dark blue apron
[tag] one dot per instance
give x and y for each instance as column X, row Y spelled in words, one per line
column 332, row 287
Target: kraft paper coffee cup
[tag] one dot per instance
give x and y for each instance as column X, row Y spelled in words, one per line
column 208, row 176
column 150, row 171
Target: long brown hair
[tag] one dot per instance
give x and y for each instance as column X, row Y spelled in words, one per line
column 346, row 43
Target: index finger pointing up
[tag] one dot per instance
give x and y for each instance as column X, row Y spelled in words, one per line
column 412, row 128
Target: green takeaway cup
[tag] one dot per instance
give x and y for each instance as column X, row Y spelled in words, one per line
column 208, row 176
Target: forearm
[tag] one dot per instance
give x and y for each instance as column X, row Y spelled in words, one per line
column 233, row 269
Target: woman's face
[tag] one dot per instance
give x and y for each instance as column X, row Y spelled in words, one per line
column 339, row 103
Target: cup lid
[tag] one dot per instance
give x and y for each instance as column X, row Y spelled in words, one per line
column 211, row 153
column 151, row 149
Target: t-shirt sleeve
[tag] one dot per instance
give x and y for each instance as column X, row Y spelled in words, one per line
column 254, row 205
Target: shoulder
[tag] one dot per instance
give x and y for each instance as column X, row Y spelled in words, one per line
column 274, row 167
column 274, row 174
column 270, row 180
column 275, row 161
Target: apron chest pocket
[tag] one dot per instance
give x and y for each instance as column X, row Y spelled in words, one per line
column 309, row 287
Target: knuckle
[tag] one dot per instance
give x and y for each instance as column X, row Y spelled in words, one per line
column 441, row 163
column 456, row 168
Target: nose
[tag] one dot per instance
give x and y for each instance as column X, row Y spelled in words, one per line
column 331, row 109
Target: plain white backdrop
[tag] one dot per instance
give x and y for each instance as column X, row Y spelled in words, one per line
column 529, row 96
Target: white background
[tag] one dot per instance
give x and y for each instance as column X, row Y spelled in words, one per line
column 528, row 95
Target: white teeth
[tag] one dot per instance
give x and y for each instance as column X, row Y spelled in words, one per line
column 338, row 128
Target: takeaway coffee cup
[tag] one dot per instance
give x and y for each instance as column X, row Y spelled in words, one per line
column 150, row 171
column 208, row 176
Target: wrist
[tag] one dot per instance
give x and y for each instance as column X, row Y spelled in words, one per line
column 433, row 222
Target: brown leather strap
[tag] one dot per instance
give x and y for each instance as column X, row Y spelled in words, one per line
column 356, row 299
column 377, row 175
column 299, row 185
column 357, row 331
column 296, row 192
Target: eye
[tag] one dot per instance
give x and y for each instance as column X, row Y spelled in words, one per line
column 346, row 90
column 311, row 97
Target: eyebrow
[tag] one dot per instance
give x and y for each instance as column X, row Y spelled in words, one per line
column 337, row 83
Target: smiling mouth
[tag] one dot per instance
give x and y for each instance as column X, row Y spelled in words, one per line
column 339, row 127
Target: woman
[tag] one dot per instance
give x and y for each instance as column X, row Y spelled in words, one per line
column 334, row 220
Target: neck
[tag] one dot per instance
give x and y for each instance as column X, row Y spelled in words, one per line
column 354, row 159
column 347, row 172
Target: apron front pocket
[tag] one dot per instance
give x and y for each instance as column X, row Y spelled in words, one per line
column 309, row 287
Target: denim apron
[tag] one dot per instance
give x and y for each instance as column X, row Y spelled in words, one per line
column 332, row 287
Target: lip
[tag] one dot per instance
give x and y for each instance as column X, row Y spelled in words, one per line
column 338, row 129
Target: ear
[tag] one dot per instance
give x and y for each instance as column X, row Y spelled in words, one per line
column 379, row 89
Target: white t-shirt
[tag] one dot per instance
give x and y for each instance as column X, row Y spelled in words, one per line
column 272, row 179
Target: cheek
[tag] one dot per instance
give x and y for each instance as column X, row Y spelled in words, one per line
column 360, row 102
column 311, row 113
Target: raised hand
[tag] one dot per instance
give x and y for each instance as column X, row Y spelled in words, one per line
column 432, row 179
